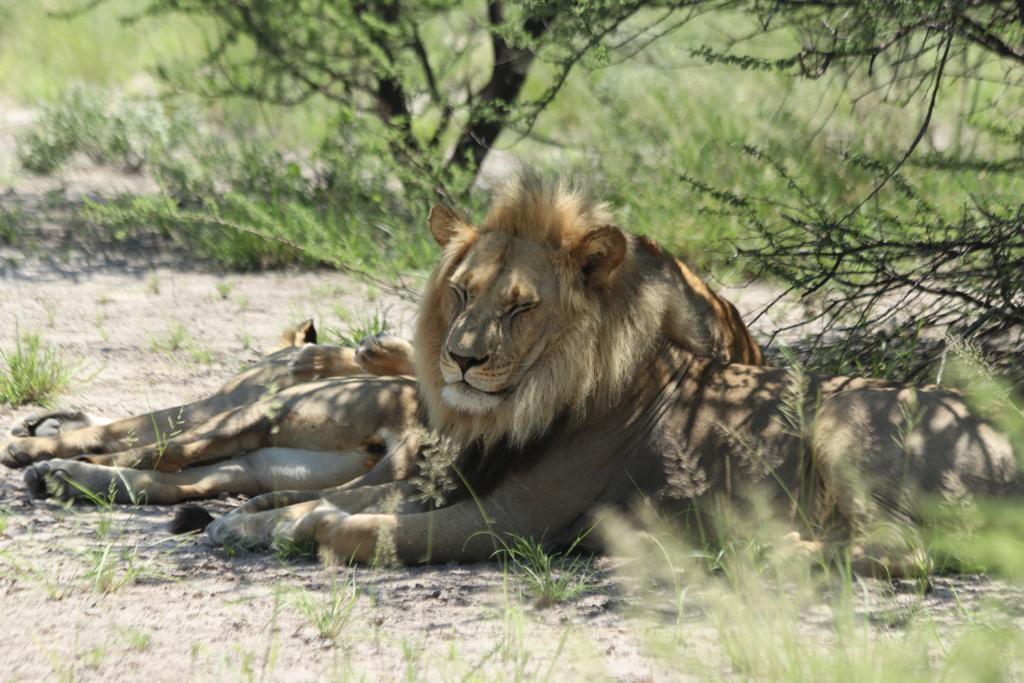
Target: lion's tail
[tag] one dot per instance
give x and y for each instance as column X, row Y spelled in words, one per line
column 190, row 519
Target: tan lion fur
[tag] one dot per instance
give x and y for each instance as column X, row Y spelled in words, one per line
column 307, row 416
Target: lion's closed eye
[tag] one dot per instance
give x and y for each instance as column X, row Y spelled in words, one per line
column 519, row 308
column 461, row 295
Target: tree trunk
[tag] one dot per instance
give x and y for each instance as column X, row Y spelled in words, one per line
column 494, row 102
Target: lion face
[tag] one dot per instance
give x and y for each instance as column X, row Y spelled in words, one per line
column 502, row 308
column 527, row 317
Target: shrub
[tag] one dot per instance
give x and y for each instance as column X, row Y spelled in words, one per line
column 32, row 372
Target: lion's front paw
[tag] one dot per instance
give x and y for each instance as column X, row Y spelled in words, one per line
column 385, row 354
column 292, row 526
column 243, row 529
column 231, row 531
column 35, row 479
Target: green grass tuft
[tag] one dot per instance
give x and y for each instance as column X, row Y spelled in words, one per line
column 32, row 373
column 178, row 342
column 550, row 578
column 329, row 613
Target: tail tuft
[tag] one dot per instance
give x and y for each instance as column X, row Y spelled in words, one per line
column 190, row 518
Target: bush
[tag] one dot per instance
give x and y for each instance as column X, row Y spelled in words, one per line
column 127, row 133
column 32, row 372
column 244, row 204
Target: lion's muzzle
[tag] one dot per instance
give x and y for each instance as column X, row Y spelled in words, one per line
column 466, row 362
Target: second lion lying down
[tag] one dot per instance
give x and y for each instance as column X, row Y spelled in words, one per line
column 568, row 367
column 231, row 442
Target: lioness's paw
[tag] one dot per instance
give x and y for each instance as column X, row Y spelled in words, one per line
column 35, row 426
column 54, row 422
column 35, row 481
column 52, row 479
column 385, row 354
column 74, row 480
column 21, row 452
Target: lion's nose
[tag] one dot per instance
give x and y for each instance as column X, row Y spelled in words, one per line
column 467, row 362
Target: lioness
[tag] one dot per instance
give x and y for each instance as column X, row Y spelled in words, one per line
column 557, row 360
column 380, row 416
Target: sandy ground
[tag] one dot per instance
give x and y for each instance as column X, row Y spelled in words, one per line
column 90, row 594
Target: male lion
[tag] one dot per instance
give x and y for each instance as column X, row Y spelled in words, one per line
column 559, row 364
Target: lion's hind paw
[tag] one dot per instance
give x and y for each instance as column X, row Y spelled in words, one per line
column 54, row 423
column 385, row 354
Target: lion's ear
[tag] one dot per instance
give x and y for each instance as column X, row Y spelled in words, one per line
column 303, row 333
column 306, row 333
column 599, row 253
column 444, row 223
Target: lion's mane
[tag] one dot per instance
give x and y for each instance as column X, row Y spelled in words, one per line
column 610, row 332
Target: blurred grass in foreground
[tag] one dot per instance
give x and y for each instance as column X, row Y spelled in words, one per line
column 780, row 613
column 755, row 608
